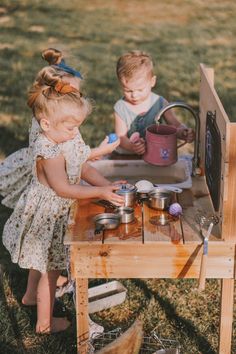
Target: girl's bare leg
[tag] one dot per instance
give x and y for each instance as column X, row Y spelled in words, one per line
column 45, row 301
column 62, row 280
column 30, row 296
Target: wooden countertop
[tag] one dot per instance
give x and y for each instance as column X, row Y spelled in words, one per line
column 144, row 229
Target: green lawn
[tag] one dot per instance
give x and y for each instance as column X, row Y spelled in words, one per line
column 179, row 34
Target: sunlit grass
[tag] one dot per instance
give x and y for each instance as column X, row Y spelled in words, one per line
column 180, row 35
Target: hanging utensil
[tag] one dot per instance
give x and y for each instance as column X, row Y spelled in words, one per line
column 210, row 221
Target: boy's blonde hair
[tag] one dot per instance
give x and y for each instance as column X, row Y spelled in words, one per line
column 49, row 96
column 133, row 62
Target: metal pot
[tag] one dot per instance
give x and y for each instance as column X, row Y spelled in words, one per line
column 160, row 198
column 128, row 191
column 106, row 221
column 126, row 213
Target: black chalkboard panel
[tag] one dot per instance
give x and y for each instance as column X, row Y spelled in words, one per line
column 213, row 159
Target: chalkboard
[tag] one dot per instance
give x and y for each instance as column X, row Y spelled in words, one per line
column 213, row 158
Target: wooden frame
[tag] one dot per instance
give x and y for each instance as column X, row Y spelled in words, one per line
column 163, row 252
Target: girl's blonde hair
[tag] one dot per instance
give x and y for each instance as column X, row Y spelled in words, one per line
column 51, row 91
column 50, row 94
column 133, row 62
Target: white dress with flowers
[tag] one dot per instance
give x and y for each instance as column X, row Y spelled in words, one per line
column 34, row 232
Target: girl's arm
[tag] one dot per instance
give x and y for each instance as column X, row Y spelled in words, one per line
column 92, row 176
column 51, row 172
column 121, row 130
column 104, row 148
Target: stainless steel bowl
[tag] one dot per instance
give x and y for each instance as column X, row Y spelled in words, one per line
column 126, row 213
column 106, row 221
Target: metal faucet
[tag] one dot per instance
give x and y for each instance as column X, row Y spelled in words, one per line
column 195, row 161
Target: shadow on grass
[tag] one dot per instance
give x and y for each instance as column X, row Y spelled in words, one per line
column 9, row 143
column 180, row 323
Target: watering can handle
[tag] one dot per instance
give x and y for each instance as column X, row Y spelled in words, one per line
column 182, row 144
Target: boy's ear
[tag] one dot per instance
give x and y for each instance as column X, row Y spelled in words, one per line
column 44, row 124
column 153, row 81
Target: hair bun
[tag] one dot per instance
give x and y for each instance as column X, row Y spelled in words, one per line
column 52, row 56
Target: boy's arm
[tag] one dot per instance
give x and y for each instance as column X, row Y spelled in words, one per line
column 184, row 132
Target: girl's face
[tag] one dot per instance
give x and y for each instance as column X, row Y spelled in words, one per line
column 137, row 89
column 66, row 129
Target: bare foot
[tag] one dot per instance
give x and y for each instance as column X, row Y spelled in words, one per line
column 62, row 280
column 27, row 301
column 59, row 324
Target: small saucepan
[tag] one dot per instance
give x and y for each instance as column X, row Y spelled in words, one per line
column 160, row 198
column 126, row 213
column 106, row 221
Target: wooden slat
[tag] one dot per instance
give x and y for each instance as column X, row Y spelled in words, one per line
column 226, row 316
column 153, row 231
column 155, row 260
column 209, row 101
column 82, row 230
column 229, row 207
column 82, row 315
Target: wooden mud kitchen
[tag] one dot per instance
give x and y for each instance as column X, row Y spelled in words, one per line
column 148, row 248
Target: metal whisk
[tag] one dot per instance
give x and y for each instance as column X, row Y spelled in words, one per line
column 209, row 221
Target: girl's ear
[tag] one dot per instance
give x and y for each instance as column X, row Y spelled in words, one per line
column 44, row 124
column 153, row 81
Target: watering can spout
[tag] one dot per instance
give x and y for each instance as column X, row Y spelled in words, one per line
column 195, row 163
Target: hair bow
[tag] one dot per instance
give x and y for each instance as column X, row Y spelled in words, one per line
column 62, row 65
column 62, row 87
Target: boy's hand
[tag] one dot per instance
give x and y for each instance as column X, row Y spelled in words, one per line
column 139, row 147
column 186, row 134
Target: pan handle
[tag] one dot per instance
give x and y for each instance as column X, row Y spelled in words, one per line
column 99, row 228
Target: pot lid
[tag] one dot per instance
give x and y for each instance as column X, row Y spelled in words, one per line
column 126, row 188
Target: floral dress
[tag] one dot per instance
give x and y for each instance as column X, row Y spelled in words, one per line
column 34, row 232
column 16, row 169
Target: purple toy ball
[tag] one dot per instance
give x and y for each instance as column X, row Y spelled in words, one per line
column 175, row 209
column 112, row 138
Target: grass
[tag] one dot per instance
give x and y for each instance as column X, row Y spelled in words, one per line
column 179, row 34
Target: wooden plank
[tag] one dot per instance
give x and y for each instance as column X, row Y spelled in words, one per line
column 82, row 315
column 82, row 230
column 226, row 316
column 154, row 231
column 209, row 101
column 153, row 260
column 128, row 233
column 229, row 207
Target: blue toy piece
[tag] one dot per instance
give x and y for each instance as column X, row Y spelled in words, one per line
column 112, row 138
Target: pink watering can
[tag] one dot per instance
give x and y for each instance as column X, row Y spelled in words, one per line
column 161, row 145
column 161, row 140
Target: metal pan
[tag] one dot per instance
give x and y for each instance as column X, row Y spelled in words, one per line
column 106, row 221
column 126, row 213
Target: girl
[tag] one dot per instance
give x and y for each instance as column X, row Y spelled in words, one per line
column 34, row 232
column 15, row 170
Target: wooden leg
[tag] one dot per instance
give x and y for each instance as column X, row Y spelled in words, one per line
column 226, row 315
column 82, row 315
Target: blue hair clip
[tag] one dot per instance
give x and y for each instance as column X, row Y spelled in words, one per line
column 68, row 69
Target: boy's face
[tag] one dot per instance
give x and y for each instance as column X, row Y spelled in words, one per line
column 137, row 89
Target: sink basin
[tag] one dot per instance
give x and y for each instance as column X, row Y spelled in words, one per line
column 178, row 174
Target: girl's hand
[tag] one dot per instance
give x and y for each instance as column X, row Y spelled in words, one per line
column 122, row 181
column 107, row 193
column 139, row 147
column 107, row 148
